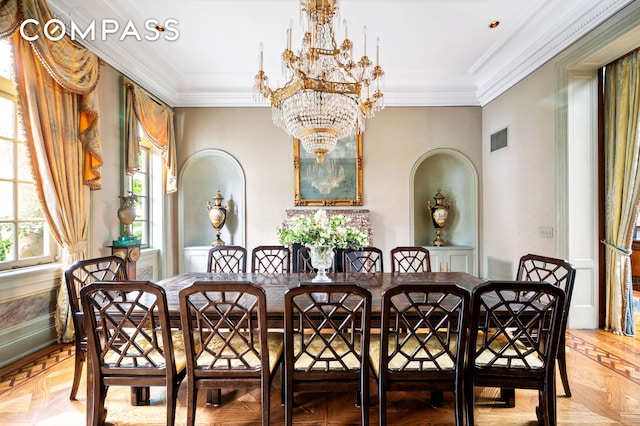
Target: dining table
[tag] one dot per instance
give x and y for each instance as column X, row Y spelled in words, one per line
column 276, row 285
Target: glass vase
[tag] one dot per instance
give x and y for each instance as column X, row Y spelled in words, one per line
column 321, row 259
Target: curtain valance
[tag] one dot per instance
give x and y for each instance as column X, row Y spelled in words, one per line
column 72, row 66
column 11, row 17
column 156, row 120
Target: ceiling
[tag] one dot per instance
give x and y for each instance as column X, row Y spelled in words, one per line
column 433, row 52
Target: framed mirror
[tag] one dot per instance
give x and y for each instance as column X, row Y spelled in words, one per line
column 337, row 181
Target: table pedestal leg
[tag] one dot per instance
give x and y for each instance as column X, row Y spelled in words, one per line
column 140, row 395
column 508, row 395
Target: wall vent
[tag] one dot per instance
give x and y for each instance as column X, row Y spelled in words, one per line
column 499, row 140
column 499, row 269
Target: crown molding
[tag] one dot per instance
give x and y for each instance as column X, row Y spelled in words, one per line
column 480, row 86
column 541, row 52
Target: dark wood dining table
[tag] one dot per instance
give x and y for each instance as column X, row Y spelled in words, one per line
column 276, row 285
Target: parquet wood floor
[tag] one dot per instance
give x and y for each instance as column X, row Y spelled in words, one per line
column 604, row 372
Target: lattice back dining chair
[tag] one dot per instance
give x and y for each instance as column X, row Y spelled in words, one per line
column 424, row 330
column 327, row 342
column 81, row 273
column 227, row 341
column 533, row 267
column 130, row 343
column 303, row 261
column 227, row 259
column 514, row 334
column 271, row 259
column 410, row 259
column 365, row 260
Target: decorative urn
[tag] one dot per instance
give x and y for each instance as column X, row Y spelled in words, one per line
column 127, row 215
column 439, row 213
column 217, row 216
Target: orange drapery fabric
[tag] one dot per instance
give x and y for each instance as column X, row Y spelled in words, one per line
column 156, row 120
column 56, row 90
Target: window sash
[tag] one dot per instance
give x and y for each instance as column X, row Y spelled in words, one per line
column 25, row 238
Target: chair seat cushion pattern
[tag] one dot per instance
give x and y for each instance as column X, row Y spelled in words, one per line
column 144, row 353
column 222, row 351
column 506, row 351
column 322, row 357
column 419, row 352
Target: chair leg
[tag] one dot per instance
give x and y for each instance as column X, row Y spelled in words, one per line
column 550, row 396
column 172, row 396
column 288, row 408
column 96, row 394
column 469, row 401
column 282, row 386
column 546, row 409
column 382, row 404
column 266, row 402
column 562, row 366
column 77, row 372
column 364, row 398
column 460, row 403
column 192, row 398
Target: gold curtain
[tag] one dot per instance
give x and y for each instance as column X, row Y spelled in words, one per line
column 10, row 17
column 55, row 83
column 157, row 122
column 622, row 183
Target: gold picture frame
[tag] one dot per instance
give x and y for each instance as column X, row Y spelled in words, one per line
column 337, row 181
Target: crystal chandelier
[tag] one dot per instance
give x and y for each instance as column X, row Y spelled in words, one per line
column 328, row 95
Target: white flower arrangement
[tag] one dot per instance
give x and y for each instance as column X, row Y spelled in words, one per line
column 321, row 230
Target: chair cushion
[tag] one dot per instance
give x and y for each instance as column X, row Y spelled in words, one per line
column 503, row 353
column 318, row 357
column 436, row 359
column 138, row 354
column 227, row 353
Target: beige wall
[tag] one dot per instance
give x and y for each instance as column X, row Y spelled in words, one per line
column 394, row 140
column 519, row 181
column 527, row 185
column 105, row 202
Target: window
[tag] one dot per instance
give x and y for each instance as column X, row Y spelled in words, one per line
column 24, row 235
column 139, row 186
column 146, row 184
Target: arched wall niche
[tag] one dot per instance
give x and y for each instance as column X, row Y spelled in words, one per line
column 202, row 174
column 455, row 176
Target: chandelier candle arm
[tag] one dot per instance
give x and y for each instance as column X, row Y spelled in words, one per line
column 364, row 41
column 328, row 93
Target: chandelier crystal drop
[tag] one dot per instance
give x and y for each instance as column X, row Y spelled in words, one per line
column 328, row 95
